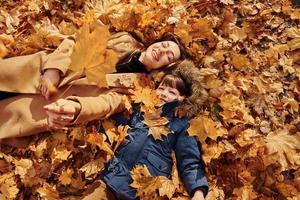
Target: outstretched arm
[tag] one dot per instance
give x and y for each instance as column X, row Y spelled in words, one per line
column 190, row 166
column 77, row 110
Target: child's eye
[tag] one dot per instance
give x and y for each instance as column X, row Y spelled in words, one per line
column 160, row 88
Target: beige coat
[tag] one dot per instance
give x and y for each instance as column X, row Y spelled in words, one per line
column 23, row 114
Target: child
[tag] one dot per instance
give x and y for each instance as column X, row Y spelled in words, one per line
column 142, row 149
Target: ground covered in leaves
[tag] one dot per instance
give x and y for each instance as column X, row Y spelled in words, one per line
column 247, row 50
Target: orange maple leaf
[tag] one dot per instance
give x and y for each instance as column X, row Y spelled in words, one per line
column 66, row 176
column 147, row 185
column 90, row 55
column 98, row 139
column 239, row 61
column 156, row 124
column 204, row 127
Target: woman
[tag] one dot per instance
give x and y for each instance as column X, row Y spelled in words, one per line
column 23, row 115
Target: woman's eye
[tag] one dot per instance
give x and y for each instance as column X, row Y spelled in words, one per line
column 170, row 57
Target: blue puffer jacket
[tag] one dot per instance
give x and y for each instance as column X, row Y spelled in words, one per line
column 141, row 149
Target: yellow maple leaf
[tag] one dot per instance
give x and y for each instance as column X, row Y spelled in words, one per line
column 215, row 193
column 183, row 34
column 122, row 133
column 22, row 166
column 147, row 96
column 60, row 154
column 239, row 61
column 92, row 167
column 8, row 186
column 245, row 192
column 295, row 14
column 147, row 185
column 90, row 55
column 203, row 127
column 156, row 124
column 282, row 147
column 48, row 192
column 98, row 140
column 66, row 176
column 39, row 148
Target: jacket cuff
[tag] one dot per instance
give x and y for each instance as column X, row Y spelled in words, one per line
column 98, row 107
column 198, row 184
column 204, row 189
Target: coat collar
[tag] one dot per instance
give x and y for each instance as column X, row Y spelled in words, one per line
column 168, row 109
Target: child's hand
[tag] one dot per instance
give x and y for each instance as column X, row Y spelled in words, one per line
column 49, row 81
column 62, row 112
column 198, row 195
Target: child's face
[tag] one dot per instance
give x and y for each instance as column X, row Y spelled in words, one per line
column 160, row 54
column 167, row 94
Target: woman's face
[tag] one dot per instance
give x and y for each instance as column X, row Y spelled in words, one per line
column 160, row 54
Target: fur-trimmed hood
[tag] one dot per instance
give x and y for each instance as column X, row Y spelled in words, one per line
column 192, row 77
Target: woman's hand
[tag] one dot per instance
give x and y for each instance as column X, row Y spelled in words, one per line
column 198, row 195
column 62, row 113
column 49, row 81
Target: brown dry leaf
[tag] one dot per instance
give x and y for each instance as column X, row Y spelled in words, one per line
column 60, row 154
column 215, row 193
column 156, row 124
column 238, row 34
column 287, row 190
column 39, row 148
column 245, row 192
column 8, row 186
column 122, row 133
column 98, row 61
column 98, row 140
column 147, row 185
column 295, row 14
column 182, row 30
column 213, row 151
column 239, row 61
column 66, row 176
column 282, row 147
column 99, row 193
column 22, row 167
column 247, row 137
column 48, row 192
column 226, row 2
column 92, row 167
column 203, row 127
column 175, row 175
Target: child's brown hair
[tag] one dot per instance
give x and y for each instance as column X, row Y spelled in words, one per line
column 177, row 82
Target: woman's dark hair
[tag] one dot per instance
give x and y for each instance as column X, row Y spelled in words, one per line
column 171, row 37
column 177, row 82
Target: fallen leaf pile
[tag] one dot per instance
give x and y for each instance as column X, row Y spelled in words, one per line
column 247, row 50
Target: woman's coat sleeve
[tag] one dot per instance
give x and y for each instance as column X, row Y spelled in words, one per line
column 61, row 58
column 99, row 107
